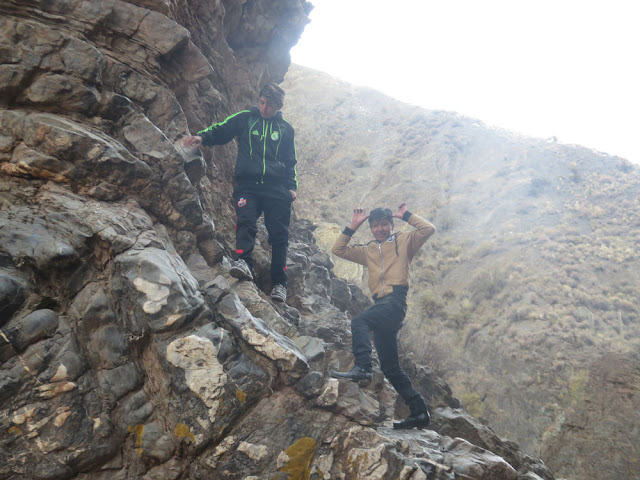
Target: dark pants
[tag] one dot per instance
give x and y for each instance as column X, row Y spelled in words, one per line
column 249, row 205
column 385, row 318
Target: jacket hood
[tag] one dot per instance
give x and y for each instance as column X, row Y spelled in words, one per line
column 256, row 111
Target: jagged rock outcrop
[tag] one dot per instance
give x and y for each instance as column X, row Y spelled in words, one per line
column 127, row 350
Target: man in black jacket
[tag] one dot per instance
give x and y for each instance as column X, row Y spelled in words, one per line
column 265, row 180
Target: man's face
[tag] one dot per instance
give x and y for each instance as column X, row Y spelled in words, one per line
column 267, row 108
column 381, row 229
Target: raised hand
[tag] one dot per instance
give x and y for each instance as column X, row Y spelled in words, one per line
column 359, row 216
column 401, row 210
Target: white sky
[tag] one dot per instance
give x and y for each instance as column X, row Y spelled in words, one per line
column 564, row 68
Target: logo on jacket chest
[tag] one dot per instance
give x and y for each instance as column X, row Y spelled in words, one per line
column 275, row 136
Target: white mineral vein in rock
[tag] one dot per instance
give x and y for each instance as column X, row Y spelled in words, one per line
column 157, row 295
column 203, row 373
column 255, row 452
column 97, row 423
column 371, row 463
column 51, row 390
column 22, row 415
column 173, row 318
column 330, row 393
column 266, row 345
column 220, row 450
column 61, row 374
column 282, row 460
column 323, row 464
column 61, row 418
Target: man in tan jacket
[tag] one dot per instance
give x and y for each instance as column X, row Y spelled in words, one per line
column 387, row 258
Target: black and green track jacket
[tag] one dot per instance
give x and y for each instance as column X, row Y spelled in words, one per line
column 266, row 147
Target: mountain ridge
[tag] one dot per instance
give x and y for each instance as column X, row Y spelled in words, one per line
column 532, row 275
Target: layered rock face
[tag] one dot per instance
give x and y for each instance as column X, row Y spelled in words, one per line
column 127, row 351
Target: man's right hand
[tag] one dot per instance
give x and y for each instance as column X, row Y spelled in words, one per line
column 194, row 141
column 359, row 216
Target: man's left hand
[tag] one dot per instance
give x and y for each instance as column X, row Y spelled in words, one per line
column 401, row 210
column 293, row 195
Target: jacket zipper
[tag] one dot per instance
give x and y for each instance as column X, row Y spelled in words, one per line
column 279, row 138
column 382, row 269
column 264, row 150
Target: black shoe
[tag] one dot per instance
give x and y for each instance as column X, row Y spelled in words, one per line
column 240, row 270
column 279, row 293
column 356, row 374
column 420, row 420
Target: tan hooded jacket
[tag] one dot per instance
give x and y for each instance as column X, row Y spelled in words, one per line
column 388, row 262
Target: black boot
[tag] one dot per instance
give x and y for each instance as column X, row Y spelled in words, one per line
column 356, row 374
column 420, row 420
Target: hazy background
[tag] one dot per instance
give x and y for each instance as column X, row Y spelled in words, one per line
column 565, row 69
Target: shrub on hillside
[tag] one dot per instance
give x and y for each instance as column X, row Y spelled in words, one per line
column 431, row 304
column 473, row 404
column 487, row 284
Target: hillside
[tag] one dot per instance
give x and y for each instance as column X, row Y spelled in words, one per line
column 531, row 284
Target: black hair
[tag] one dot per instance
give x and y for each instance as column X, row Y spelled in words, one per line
column 379, row 214
column 273, row 93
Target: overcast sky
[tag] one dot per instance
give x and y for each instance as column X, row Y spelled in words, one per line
column 562, row 68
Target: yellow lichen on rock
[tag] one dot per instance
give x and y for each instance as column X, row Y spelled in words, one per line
column 298, row 459
column 182, row 431
column 241, row 396
column 138, row 431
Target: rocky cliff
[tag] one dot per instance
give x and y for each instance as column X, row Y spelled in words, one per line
column 526, row 298
column 127, row 351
